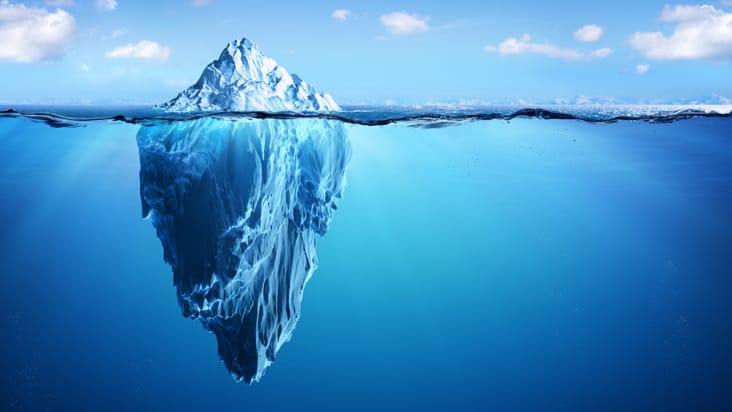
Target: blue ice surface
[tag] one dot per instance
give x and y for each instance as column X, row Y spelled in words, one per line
column 237, row 206
column 530, row 265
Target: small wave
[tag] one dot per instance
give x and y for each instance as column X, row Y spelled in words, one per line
column 381, row 117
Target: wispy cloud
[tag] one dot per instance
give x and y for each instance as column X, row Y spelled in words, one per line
column 144, row 49
column 106, row 5
column 59, row 3
column 201, row 3
column 642, row 68
column 523, row 45
column 115, row 34
column 401, row 22
column 34, row 34
column 589, row 33
column 701, row 32
column 341, row 14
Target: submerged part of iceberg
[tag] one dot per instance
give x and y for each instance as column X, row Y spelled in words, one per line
column 243, row 79
column 237, row 206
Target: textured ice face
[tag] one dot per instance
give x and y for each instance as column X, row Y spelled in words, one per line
column 243, row 79
column 237, row 206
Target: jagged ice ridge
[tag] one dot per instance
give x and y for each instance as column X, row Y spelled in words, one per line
column 243, row 79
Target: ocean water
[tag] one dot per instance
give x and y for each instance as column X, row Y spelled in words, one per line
column 520, row 264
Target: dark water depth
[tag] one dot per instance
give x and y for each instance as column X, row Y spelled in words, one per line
column 537, row 264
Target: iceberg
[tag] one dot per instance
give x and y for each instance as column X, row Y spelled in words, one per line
column 243, row 79
column 238, row 204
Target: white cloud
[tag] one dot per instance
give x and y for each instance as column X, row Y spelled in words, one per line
column 85, row 68
column 589, row 33
column 401, row 22
column 144, row 49
column 341, row 14
column 115, row 33
column 33, row 34
column 59, row 3
column 701, row 32
column 201, row 3
column 726, row 2
column 106, row 5
column 600, row 53
column 523, row 45
column 642, row 68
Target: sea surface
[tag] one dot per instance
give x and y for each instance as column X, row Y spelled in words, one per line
column 561, row 259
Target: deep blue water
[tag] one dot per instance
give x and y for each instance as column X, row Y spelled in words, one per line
column 527, row 265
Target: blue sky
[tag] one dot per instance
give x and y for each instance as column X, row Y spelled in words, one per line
column 125, row 51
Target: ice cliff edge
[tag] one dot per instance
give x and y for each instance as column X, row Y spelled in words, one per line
column 243, row 79
column 238, row 203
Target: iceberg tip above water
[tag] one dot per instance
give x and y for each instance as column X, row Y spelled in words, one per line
column 243, row 79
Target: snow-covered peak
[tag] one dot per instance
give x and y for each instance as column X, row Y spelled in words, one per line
column 243, row 79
